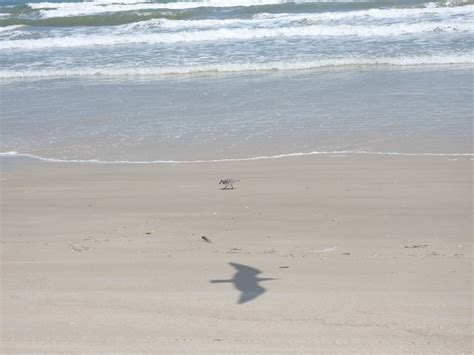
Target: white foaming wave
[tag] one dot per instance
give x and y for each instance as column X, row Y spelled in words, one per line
column 80, row 4
column 236, row 34
column 188, row 24
column 401, row 13
column 170, row 4
column 12, row 154
column 10, row 28
column 64, row 9
column 193, row 24
column 241, row 67
column 267, row 19
column 48, row 9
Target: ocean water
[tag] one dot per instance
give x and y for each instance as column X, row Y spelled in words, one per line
column 127, row 37
column 146, row 80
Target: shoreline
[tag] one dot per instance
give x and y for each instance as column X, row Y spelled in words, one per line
column 337, row 153
column 149, row 77
column 242, row 116
column 368, row 254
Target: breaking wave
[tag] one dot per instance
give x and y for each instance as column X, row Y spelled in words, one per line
column 120, row 18
column 136, row 17
column 233, row 68
column 64, row 9
column 102, row 37
column 10, row 28
column 235, row 34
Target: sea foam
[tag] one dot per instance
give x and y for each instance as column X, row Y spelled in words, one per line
column 64, row 9
column 236, row 34
column 285, row 19
column 240, row 67
column 13, row 154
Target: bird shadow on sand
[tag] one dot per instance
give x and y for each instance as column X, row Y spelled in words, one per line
column 246, row 281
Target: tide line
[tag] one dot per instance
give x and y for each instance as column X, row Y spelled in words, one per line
column 13, row 154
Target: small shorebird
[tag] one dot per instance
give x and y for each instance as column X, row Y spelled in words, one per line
column 228, row 182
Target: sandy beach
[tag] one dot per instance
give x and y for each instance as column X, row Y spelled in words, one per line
column 349, row 125
column 368, row 254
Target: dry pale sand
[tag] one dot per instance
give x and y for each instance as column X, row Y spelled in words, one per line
column 102, row 258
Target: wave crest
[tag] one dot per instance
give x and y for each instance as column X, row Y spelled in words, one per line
column 245, row 67
column 226, row 34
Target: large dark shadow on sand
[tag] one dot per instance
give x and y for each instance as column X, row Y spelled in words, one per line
column 246, row 281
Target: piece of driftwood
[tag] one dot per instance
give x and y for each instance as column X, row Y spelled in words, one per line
column 206, row 239
column 416, row 246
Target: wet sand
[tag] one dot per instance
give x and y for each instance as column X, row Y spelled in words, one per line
column 368, row 254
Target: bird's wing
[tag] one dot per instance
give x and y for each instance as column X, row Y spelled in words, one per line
column 244, row 269
column 246, row 296
column 219, row 281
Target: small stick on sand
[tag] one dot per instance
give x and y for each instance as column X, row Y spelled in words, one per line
column 416, row 246
column 206, row 239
